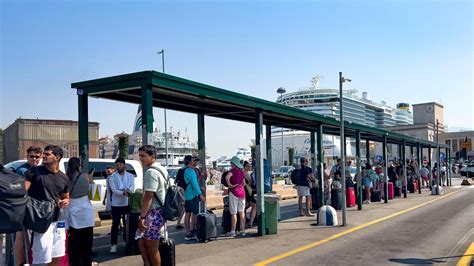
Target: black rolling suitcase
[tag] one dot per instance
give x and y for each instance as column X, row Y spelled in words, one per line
column 131, row 226
column 167, row 249
column 411, row 187
column 375, row 196
column 206, row 225
column 336, row 198
column 226, row 218
column 315, row 199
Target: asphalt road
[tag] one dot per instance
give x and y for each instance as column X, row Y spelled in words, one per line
column 438, row 233
column 101, row 247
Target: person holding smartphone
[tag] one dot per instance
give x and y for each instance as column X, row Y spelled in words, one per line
column 122, row 184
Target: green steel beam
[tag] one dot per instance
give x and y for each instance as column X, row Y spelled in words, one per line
column 147, row 115
column 83, row 110
column 259, row 173
column 202, row 152
column 418, row 161
column 385, row 170
column 359, row 177
column 320, row 161
column 268, row 146
column 404, row 160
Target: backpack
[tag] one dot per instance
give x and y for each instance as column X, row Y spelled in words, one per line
column 223, row 180
column 12, row 201
column 39, row 214
column 173, row 207
column 180, row 178
column 295, row 176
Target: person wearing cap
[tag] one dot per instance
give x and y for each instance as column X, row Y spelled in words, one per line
column 122, row 184
column 192, row 195
column 235, row 181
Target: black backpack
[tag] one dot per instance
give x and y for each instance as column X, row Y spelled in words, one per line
column 223, row 180
column 180, row 178
column 12, row 201
column 39, row 214
column 295, row 176
column 173, row 207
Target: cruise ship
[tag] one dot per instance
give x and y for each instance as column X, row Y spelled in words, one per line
column 179, row 144
column 357, row 109
column 325, row 101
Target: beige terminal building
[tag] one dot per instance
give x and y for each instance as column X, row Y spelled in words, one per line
column 24, row 133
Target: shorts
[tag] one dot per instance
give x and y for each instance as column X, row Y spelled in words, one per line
column 48, row 245
column 303, row 191
column 236, row 204
column 424, row 178
column 192, row 205
column 368, row 183
column 154, row 221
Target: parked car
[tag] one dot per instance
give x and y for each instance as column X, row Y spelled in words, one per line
column 283, row 171
column 468, row 170
column 173, row 171
column 99, row 176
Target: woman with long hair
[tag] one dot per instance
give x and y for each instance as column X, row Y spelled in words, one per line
column 80, row 215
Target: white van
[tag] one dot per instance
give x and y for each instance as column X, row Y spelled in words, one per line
column 132, row 166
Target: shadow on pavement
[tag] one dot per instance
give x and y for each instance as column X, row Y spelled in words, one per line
column 416, row 261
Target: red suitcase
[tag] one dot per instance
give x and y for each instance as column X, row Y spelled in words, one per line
column 350, row 197
column 391, row 190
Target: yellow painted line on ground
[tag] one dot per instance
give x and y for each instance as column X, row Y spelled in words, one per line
column 467, row 257
column 357, row 228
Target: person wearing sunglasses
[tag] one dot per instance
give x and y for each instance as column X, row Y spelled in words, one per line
column 33, row 158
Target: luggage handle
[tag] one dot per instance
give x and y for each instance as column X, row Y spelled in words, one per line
column 165, row 234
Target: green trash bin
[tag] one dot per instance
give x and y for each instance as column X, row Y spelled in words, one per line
column 272, row 206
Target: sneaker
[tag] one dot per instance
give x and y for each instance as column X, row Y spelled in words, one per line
column 231, row 234
column 190, row 237
column 242, row 233
column 113, row 249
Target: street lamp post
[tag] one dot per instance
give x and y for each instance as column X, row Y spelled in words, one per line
column 162, row 52
column 343, row 148
column 281, row 90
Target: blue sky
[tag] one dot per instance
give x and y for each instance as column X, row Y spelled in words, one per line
column 398, row 51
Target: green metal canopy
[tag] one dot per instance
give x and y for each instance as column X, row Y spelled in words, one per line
column 184, row 95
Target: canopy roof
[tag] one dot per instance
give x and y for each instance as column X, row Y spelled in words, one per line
column 184, row 95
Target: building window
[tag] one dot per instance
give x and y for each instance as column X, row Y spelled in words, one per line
column 461, row 141
column 448, row 142
column 455, row 146
column 74, row 152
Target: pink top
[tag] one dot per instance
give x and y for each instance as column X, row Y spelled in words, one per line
column 237, row 178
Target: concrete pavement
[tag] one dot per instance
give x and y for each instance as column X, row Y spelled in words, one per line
column 382, row 243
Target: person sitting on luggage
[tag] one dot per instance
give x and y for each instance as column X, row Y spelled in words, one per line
column 369, row 178
column 303, row 187
column 235, row 181
column 192, row 195
column 151, row 217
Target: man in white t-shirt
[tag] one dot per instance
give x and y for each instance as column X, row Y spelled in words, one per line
column 122, row 184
